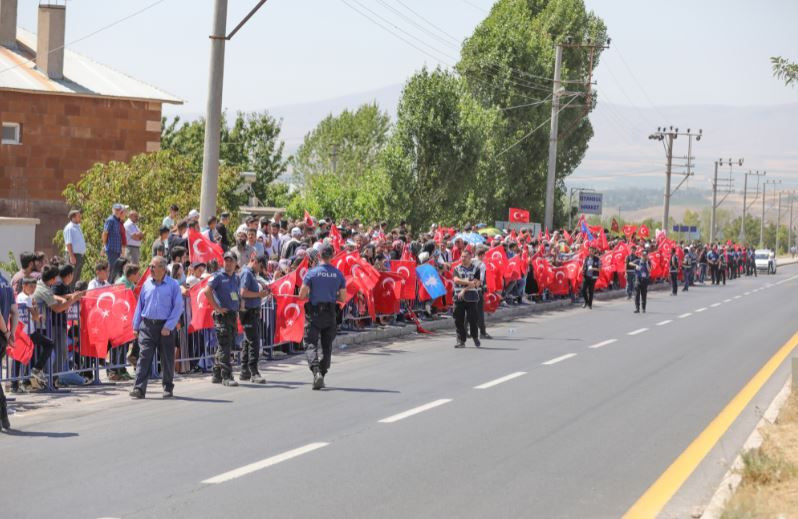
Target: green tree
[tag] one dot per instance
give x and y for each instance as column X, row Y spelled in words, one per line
column 785, row 70
column 169, row 175
column 731, row 231
column 435, row 159
column 251, row 144
column 505, row 63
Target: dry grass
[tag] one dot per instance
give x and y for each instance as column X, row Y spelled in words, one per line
column 769, row 487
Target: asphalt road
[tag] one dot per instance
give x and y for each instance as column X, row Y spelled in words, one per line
column 559, row 428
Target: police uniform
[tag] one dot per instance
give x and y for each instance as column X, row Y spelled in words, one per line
column 643, row 275
column 674, row 272
column 482, row 270
column 590, row 272
column 250, row 321
column 687, row 270
column 6, row 304
column 226, row 292
column 324, row 282
column 712, row 260
column 631, row 277
column 466, row 309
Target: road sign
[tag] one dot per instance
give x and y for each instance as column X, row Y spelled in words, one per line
column 535, row 227
column 590, row 202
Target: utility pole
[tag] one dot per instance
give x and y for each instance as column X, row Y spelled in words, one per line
column 557, row 91
column 790, row 244
column 762, row 222
column 571, row 202
column 778, row 223
column 667, row 136
column 745, row 198
column 715, row 203
column 213, row 108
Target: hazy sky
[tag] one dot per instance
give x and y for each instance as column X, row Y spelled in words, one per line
column 296, row 51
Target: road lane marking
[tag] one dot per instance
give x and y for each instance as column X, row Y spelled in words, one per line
column 748, row 293
column 498, row 381
column 669, row 482
column 715, row 305
column 603, row 343
column 663, row 323
column 262, row 464
column 639, row 330
column 727, row 300
column 737, row 297
column 415, row 410
column 701, row 309
column 559, row 359
column 688, row 314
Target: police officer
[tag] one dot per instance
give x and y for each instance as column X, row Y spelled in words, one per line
column 722, row 266
column 712, row 261
column 631, row 277
column 158, row 311
column 466, row 296
column 9, row 317
column 223, row 293
column 674, row 272
column 252, row 295
column 323, row 286
column 643, row 275
column 687, row 268
column 590, row 272
column 483, row 270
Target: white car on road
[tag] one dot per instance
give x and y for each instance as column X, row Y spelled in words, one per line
column 765, row 260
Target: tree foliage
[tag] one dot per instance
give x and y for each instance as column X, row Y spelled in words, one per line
column 149, row 183
column 252, row 143
column 785, row 70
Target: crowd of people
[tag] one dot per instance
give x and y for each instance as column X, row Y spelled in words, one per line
column 480, row 270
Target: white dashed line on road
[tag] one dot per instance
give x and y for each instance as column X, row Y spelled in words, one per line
column 638, row 331
column 727, row 300
column 737, row 297
column 715, row 305
column 415, row 410
column 498, row 381
column 559, row 359
column 701, row 309
column 748, row 293
column 688, row 314
column 663, row 323
column 603, row 343
column 262, row 464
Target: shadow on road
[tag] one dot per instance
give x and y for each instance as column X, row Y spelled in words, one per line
column 361, row 390
column 204, row 400
column 44, row 434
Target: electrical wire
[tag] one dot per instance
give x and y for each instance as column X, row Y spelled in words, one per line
column 101, row 29
column 536, row 128
column 634, row 78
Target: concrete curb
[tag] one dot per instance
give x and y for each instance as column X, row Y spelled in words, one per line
column 503, row 314
column 732, row 479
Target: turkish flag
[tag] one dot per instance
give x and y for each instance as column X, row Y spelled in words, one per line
column 105, row 315
column 22, row 350
column 614, row 227
column 144, row 277
column 300, row 271
column 514, row 269
column 629, row 230
column 519, row 215
column 343, row 261
column 290, row 319
column 351, row 290
column 388, row 292
column 560, row 283
column 573, row 269
column 201, row 308
column 498, row 258
column 407, row 269
column 286, row 285
column 336, row 238
column 644, row 232
column 567, row 237
column 491, row 302
column 366, row 273
column 407, row 256
column 203, row 250
column 492, row 277
column 308, row 219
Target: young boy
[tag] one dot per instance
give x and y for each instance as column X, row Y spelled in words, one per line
column 44, row 345
column 100, row 275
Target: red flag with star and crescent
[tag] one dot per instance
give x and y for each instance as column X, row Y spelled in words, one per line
column 203, row 250
column 519, row 215
column 22, row 350
column 286, row 285
column 201, row 308
column 406, row 269
column 106, row 315
column 144, row 277
column 290, row 319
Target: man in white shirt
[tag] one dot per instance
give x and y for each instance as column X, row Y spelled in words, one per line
column 75, row 244
column 134, row 237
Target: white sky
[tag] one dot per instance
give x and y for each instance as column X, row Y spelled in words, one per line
column 296, row 51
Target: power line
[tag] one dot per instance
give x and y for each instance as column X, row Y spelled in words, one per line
column 475, row 6
column 454, row 39
column 516, row 143
column 634, row 78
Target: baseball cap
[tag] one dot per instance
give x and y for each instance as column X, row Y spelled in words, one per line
column 230, row 255
column 296, row 231
column 73, row 212
column 193, row 213
column 117, row 207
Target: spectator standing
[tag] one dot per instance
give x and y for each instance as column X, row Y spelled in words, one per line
column 171, row 220
column 27, row 263
column 162, row 242
column 222, row 229
column 133, row 235
column 114, row 234
column 75, row 243
column 8, row 325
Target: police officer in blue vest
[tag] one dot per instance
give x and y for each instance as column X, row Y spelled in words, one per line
column 223, row 292
column 323, row 286
column 9, row 317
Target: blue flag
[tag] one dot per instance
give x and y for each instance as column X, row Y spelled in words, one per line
column 586, row 231
column 428, row 276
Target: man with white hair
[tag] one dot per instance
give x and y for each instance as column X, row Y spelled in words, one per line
column 133, row 236
column 290, row 246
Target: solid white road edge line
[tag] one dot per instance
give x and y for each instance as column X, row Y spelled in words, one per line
column 262, row 464
column 663, row 323
column 688, row 314
column 640, row 330
column 603, row 343
column 415, row 410
column 499, row 380
column 559, row 359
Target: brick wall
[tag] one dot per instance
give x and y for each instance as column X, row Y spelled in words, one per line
column 62, row 137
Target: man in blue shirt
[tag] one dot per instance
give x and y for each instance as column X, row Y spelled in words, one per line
column 223, row 293
column 8, row 326
column 323, row 285
column 252, row 294
column 113, row 234
column 157, row 313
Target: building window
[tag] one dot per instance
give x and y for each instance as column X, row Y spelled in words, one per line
column 12, row 133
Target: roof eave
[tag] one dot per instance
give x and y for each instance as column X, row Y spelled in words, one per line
column 94, row 96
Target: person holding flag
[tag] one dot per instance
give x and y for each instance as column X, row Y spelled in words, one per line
column 466, row 296
column 9, row 317
column 323, row 286
column 252, row 295
column 158, row 311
